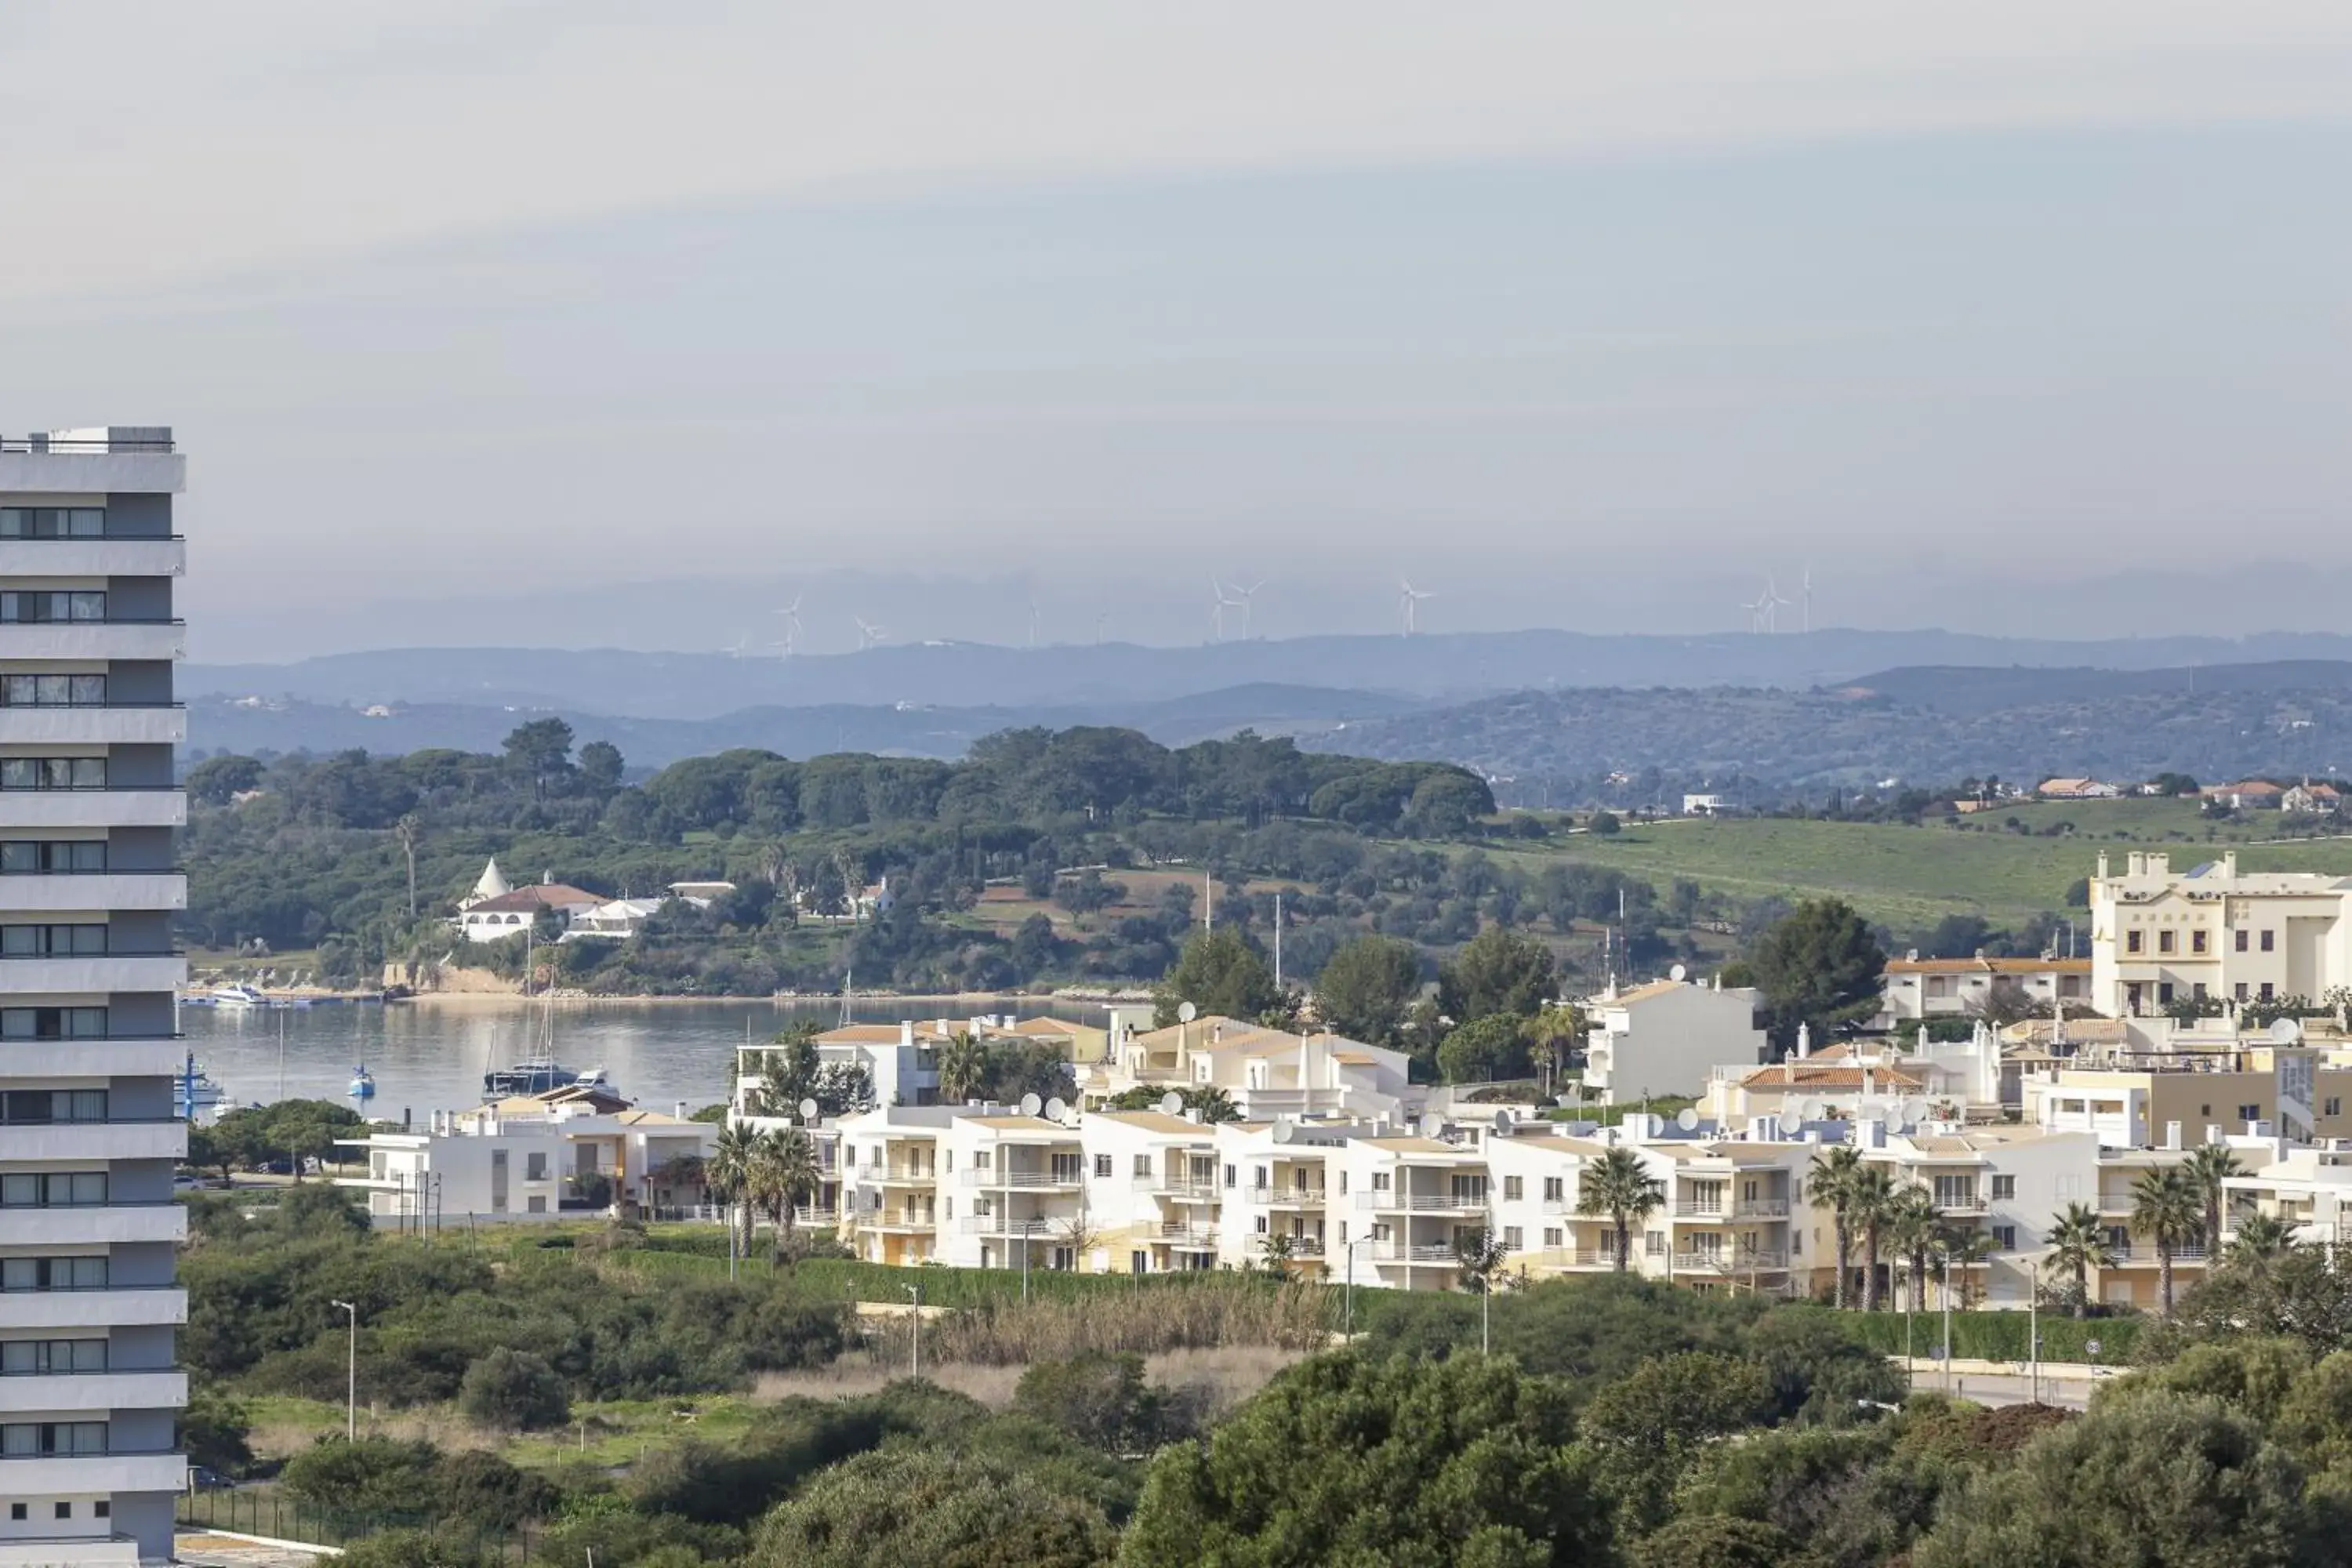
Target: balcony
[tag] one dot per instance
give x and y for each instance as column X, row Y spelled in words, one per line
column 1422, row 1203
column 91, row 974
column 923, row 1221
column 156, row 1137
column 1731, row 1262
column 108, row 640
column 115, row 806
column 87, row 1393
column 59, row 892
column 2140, row 1254
column 823, row 1216
column 1437, row 1252
column 124, row 1306
column 1002, row 1225
column 156, row 557
column 900, row 1175
column 1048, row 1179
column 164, row 1220
column 1290, row 1197
column 1190, row 1238
column 156, row 1056
column 96, row 724
column 83, row 1475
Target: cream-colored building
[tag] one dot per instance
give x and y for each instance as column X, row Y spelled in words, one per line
column 1268, row 1073
column 2214, row 933
column 537, row 1158
column 1915, row 989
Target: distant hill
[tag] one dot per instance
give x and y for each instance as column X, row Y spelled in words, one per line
column 1947, row 726
column 282, row 725
column 1954, row 688
column 1104, row 678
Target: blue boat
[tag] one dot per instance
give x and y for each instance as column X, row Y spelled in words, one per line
column 362, row 1083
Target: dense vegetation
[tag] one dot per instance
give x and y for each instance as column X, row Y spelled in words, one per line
column 1617, row 1422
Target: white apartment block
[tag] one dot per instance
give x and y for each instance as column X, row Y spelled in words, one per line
column 1667, row 1038
column 1269, row 1073
column 1915, row 989
column 527, row 1160
column 88, row 886
column 2308, row 1185
column 894, row 1201
column 2159, row 936
column 1015, row 1195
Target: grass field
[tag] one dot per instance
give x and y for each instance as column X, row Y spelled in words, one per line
column 1911, row 877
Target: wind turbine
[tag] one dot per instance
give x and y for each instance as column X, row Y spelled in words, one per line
column 1759, row 612
column 1772, row 611
column 1217, row 616
column 868, row 635
column 1247, row 598
column 1408, row 598
column 792, row 614
column 1033, row 623
column 739, row 644
column 1806, row 593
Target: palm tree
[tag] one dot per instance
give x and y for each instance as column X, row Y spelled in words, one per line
column 1212, row 1104
column 729, row 1170
column 2166, row 1207
column 963, row 1068
column 1616, row 1184
column 2262, row 1239
column 1966, row 1250
column 2209, row 1167
column 1912, row 1224
column 1832, row 1189
column 784, row 1172
column 1275, row 1249
column 1870, row 1203
column 2078, row 1242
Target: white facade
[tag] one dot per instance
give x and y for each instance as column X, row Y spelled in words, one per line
column 1914, row 988
column 2159, row 936
column 519, row 1161
column 88, row 973
column 1668, row 1037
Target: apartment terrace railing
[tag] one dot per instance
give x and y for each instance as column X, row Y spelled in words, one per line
column 61, row 447
column 1196, row 1234
column 1399, row 1252
column 1161, row 1186
column 1293, row 1197
column 1021, row 1179
column 1422, row 1203
column 1730, row 1261
column 2133, row 1252
column 1002, row 1225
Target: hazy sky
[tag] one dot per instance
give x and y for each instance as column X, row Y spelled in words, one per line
column 1579, row 312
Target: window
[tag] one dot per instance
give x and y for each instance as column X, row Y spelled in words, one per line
column 1066, row 1167
column 52, row 1189
column 1551, row 1235
column 27, row 1358
column 51, row 1107
column 2163, row 993
column 535, row 1166
column 1511, row 1186
column 1514, row 1240
column 1956, row 1192
column 1102, row 1167
column 1555, row 1189
column 535, row 1204
column 1380, row 1181
column 1654, row 1242
column 2132, row 941
column 16, row 1511
column 52, row 522
column 37, row 857
column 2241, row 989
column 1229, row 1176
column 2240, row 940
column 2198, row 940
column 2250, row 1113
column 52, row 691
column 30, row 1439
column 1261, row 1226
column 2004, row 1238
column 52, row 1273
column 101, row 1509
column 53, row 773
column 54, row 605
column 2269, row 940
column 65, row 1511
column 2003, row 1188
column 51, row 940
column 2266, row 988
column 2331, row 1106
column 2167, row 940
column 1143, row 1166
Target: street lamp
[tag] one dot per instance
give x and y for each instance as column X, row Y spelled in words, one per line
column 351, row 1376
column 1349, row 1333
column 915, row 1294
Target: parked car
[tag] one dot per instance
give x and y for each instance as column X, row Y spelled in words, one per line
column 204, row 1478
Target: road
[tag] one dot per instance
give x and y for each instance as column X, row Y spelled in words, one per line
column 1989, row 1388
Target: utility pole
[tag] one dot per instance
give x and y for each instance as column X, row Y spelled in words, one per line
column 915, row 1292
column 351, row 1376
column 1278, row 945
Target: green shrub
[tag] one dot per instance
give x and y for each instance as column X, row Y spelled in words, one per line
column 514, row 1389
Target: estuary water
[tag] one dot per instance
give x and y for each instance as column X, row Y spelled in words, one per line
column 427, row 1056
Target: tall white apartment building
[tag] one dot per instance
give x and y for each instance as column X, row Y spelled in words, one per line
column 88, row 973
column 2215, row 933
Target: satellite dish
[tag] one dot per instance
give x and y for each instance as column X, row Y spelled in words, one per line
column 2286, row 1032
column 1677, row 973
column 1030, row 1105
column 1056, row 1109
column 1284, row 1130
column 1503, row 1123
column 1807, row 1110
column 1172, row 1104
column 1653, row 1126
column 1186, row 1012
column 808, row 1110
column 1688, row 1119
column 1916, row 1111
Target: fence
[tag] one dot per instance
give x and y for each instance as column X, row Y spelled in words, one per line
column 263, row 1510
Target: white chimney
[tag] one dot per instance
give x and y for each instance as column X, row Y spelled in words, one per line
column 906, row 1034
column 681, row 1110
column 2172, row 1134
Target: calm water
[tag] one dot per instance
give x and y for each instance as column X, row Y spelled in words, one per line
column 425, row 1059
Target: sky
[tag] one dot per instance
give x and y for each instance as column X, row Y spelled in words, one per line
column 596, row 323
